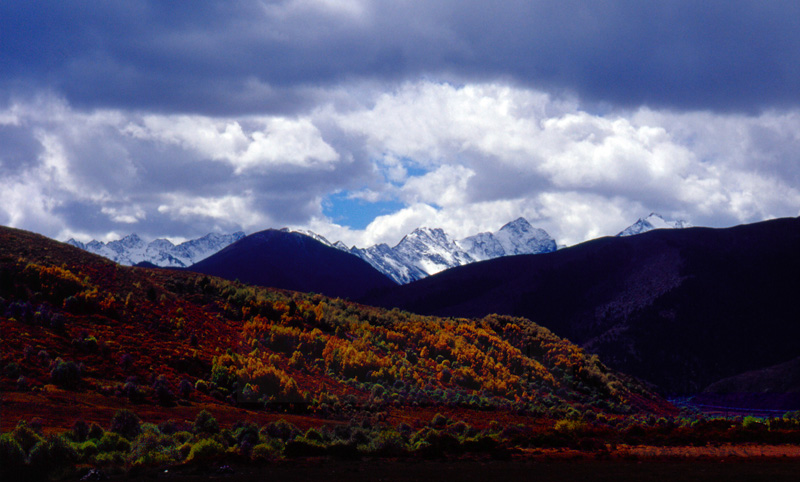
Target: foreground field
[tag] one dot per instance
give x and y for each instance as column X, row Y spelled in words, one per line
column 553, row 469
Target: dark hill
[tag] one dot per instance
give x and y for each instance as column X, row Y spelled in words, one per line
column 680, row 308
column 775, row 388
column 293, row 261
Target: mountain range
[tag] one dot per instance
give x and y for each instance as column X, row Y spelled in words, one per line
column 423, row 252
column 429, row 251
column 132, row 250
column 680, row 308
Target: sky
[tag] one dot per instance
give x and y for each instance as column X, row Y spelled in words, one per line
column 363, row 120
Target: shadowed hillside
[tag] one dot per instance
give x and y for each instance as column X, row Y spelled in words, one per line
column 293, row 261
column 680, row 308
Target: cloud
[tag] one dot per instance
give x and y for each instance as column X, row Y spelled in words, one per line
column 274, row 142
column 464, row 157
column 251, row 57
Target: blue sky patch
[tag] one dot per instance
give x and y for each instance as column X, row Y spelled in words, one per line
column 356, row 213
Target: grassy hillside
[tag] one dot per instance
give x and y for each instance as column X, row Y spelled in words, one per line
column 121, row 367
column 76, row 321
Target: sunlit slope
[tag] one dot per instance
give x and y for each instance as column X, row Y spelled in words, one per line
column 74, row 321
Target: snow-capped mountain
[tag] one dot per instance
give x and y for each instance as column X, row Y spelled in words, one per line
column 132, row 249
column 516, row 237
column 427, row 251
column 651, row 222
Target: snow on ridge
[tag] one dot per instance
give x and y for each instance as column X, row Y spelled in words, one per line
column 651, row 222
column 131, row 249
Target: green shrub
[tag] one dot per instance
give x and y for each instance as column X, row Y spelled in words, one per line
column 281, row 429
column 152, row 448
column 182, row 437
column 205, row 450
column 80, row 430
column 386, row 442
column 110, row 459
column 95, row 432
column 113, row 442
column 25, row 437
column 12, row 458
column 126, row 423
column 205, row 423
column 753, row 423
column 52, row 455
column 270, row 450
column 87, row 450
column 201, row 386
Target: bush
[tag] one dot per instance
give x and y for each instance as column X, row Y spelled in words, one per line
column 185, row 388
column 126, row 423
column 753, row 423
column 80, row 431
column 95, row 432
column 11, row 370
column 25, row 437
column 267, row 451
column 65, row 374
column 162, row 392
column 12, row 458
column 110, row 459
column 113, row 442
column 201, row 386
column 87, row 450
column 439, row 421
column 205, row 423
column 281, row 429
column 52, row 455
column 205, row 450
column 153, row 448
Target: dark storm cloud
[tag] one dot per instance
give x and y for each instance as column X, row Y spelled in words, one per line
column 239, row 57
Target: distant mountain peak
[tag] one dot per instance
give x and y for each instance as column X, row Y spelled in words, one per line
column 651, row 222
column 519, row 223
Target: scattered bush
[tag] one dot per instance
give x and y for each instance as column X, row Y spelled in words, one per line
column 11, row 370
column 12, row 458
column 162, row 392
column 51, row 455
column 65, row 374
column 113, row 442
column 95, row 432
column 126, row 423
column 205, row 450
column 185, row 388
column 80, row 430
column 281, row 429
column 439, row 421
column 270, row 450
column 205, row 423
column 25, row 436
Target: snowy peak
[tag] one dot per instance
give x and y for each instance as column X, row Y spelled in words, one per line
column 651, row 222
column 426, row 251
column 516, row 237
column 132, row 249
column 431, row 250
column 519, row 237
